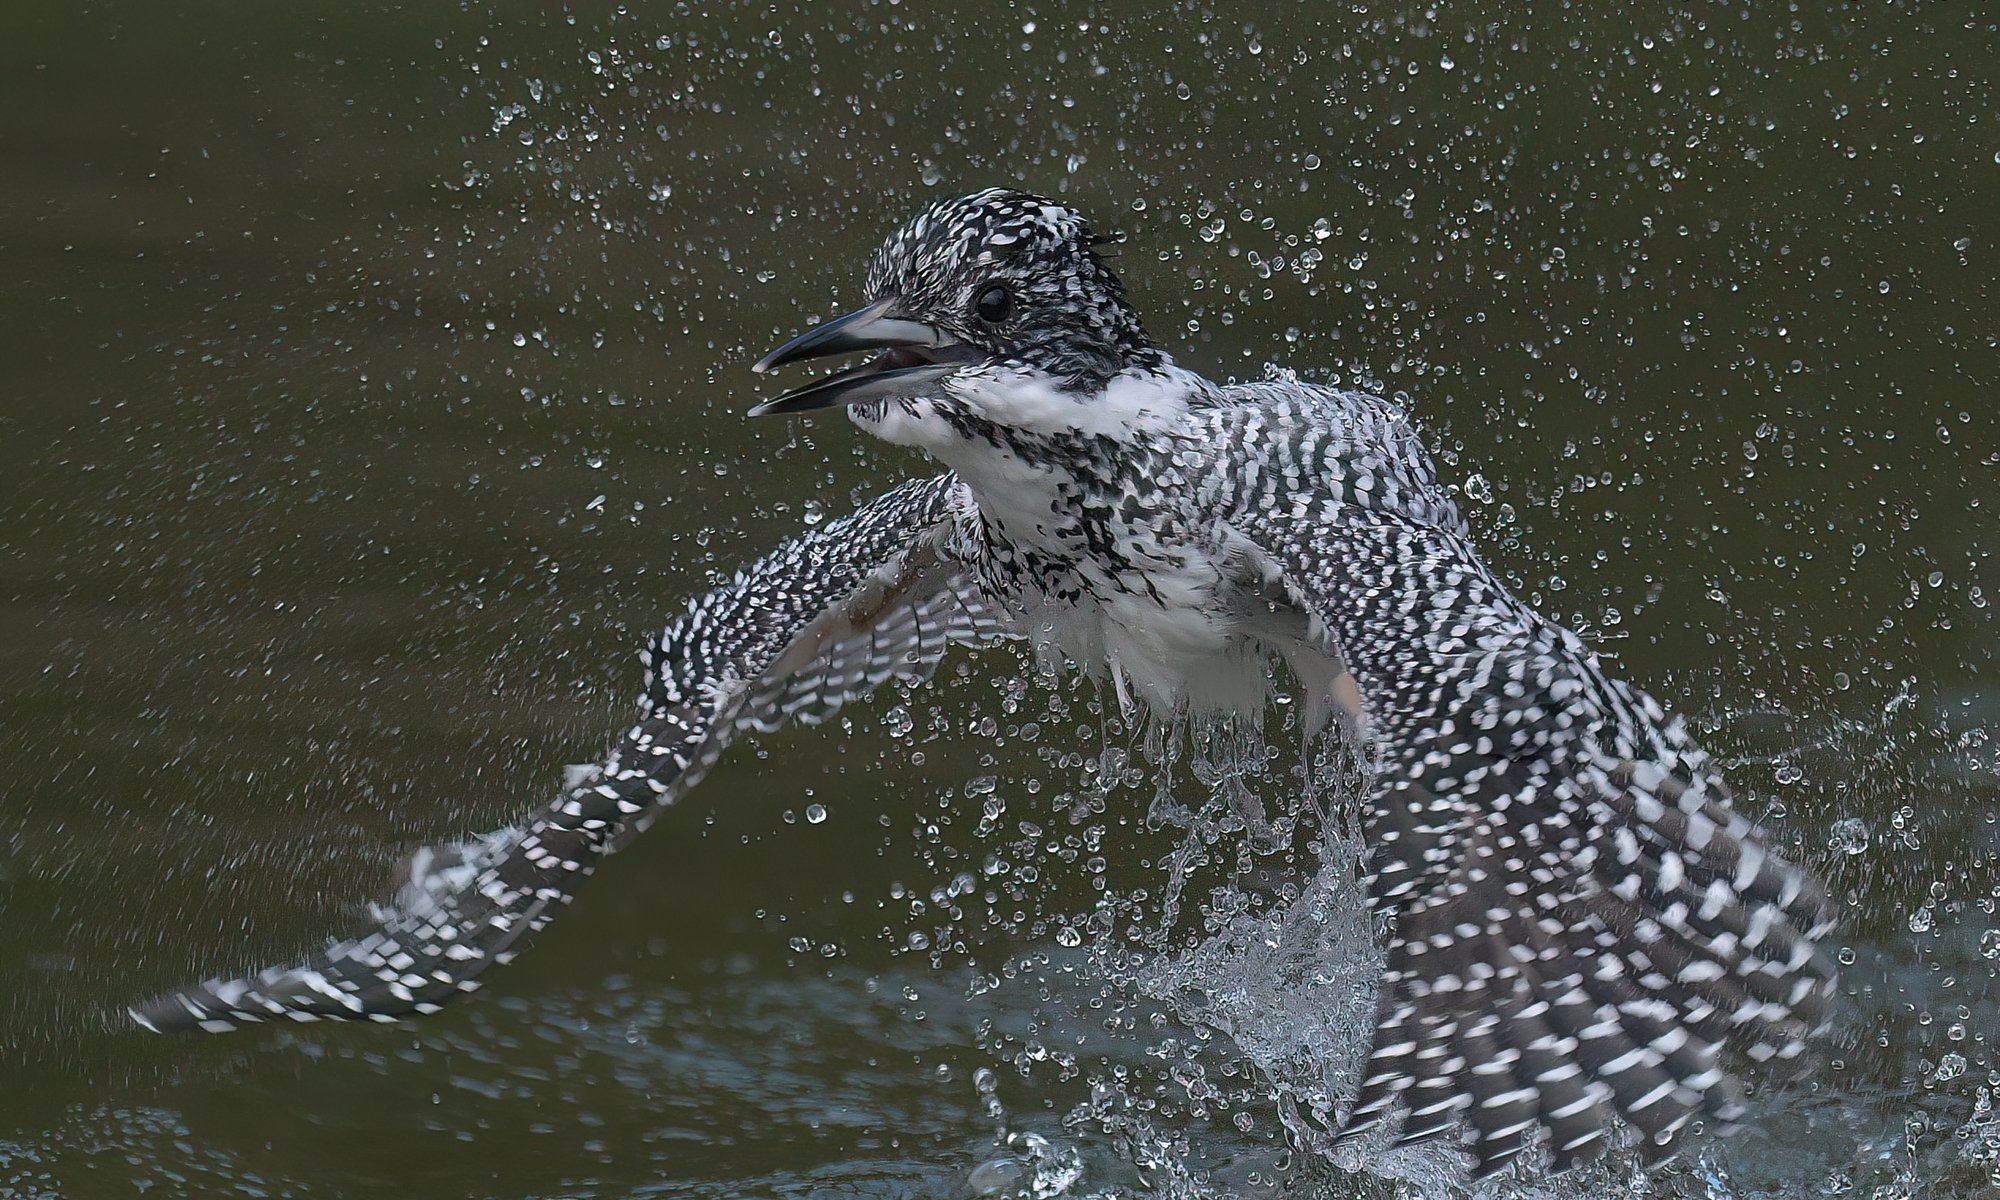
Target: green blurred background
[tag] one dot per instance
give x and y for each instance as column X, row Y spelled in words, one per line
column 372, row 383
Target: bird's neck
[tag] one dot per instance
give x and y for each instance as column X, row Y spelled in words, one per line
column 1007, row 415
column 1065, row 482
column 1020, row 439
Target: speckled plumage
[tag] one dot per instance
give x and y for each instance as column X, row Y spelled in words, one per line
column 1580, row 930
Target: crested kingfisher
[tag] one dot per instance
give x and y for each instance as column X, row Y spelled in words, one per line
column 1579, row 932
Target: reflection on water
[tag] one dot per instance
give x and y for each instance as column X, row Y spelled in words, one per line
column 374, row 388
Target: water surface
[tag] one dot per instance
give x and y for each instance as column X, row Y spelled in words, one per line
column 373, row 384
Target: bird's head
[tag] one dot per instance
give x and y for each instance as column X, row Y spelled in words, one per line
column 990, row 308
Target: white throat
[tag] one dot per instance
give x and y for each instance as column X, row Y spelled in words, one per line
column 1009, row 403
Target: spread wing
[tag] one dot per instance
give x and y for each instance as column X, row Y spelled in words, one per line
column 822, row 620
column 1580, row 928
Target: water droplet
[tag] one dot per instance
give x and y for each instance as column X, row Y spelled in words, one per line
column 1849, row 834
column 815, row 813
column 996, row 1177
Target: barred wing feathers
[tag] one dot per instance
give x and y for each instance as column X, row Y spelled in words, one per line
column 1580, row 928
column 822, row 620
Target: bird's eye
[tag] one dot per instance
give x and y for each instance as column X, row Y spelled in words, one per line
column 994, row 305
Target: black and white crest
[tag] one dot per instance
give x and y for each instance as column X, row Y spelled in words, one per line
column 1017, row 276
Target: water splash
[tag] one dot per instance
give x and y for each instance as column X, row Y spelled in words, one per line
column 1226, row 952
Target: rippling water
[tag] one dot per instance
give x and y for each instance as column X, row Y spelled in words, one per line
column 373, row 383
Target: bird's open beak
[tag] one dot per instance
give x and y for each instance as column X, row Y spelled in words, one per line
column 916, row 354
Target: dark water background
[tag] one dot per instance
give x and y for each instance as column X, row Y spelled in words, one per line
column 371, row 380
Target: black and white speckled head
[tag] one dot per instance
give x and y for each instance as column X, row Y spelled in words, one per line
column 996, row 316
column 1018, row 277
